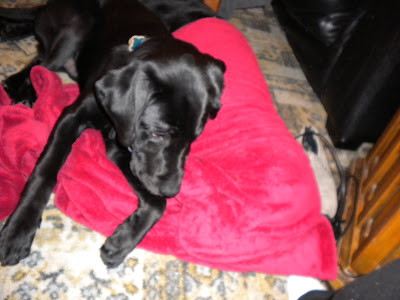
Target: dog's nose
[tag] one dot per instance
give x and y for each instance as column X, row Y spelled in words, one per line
column 171, row 187
column 170, row 191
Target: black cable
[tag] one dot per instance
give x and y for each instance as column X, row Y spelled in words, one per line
column 353, row 214
column 336, row 221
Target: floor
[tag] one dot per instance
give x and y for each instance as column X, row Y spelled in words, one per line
column 145, row 275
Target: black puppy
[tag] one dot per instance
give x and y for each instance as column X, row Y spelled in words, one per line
column 177, row 13
column 150, row 104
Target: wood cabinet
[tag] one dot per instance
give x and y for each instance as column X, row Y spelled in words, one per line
column 214, row 4
column 372, row 209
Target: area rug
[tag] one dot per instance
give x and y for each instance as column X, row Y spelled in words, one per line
column 65, row 264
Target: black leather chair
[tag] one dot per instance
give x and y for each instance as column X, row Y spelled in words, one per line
column 349, row 51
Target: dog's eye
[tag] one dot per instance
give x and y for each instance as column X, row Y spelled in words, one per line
column 162, row 134
column 159, row 135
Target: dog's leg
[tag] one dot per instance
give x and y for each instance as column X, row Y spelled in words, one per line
column 150, row 210
column 18, row 233
column 21, row 24
column 59, row 58
column 60, row 37
column 10, row 31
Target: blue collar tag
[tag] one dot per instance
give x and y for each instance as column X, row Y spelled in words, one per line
column 135, row 41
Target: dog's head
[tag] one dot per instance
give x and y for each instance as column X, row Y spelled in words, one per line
column 159, row 101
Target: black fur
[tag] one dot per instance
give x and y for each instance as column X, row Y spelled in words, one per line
column 177, row 13
column 149, row 105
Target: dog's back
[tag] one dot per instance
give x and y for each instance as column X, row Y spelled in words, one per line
column 114, row 26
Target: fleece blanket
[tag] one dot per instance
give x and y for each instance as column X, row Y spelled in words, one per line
column 249, row 200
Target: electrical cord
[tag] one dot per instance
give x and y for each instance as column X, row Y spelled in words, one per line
column 309, row 142
column 337, row 222
column 353, row 213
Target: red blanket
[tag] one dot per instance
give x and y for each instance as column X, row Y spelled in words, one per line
column 249, row 200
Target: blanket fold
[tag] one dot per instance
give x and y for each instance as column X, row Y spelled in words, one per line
column 248, row 202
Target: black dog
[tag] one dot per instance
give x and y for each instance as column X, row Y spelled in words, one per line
column 177, row 13
column 149, row 104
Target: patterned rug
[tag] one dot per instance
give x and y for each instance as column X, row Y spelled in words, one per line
column 65, row 262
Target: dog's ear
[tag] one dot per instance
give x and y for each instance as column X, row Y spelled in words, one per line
column 123, row 93
column 212, row 70
column 215, row 69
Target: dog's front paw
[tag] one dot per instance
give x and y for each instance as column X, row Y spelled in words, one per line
column 117, row 247
column 15, row 243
